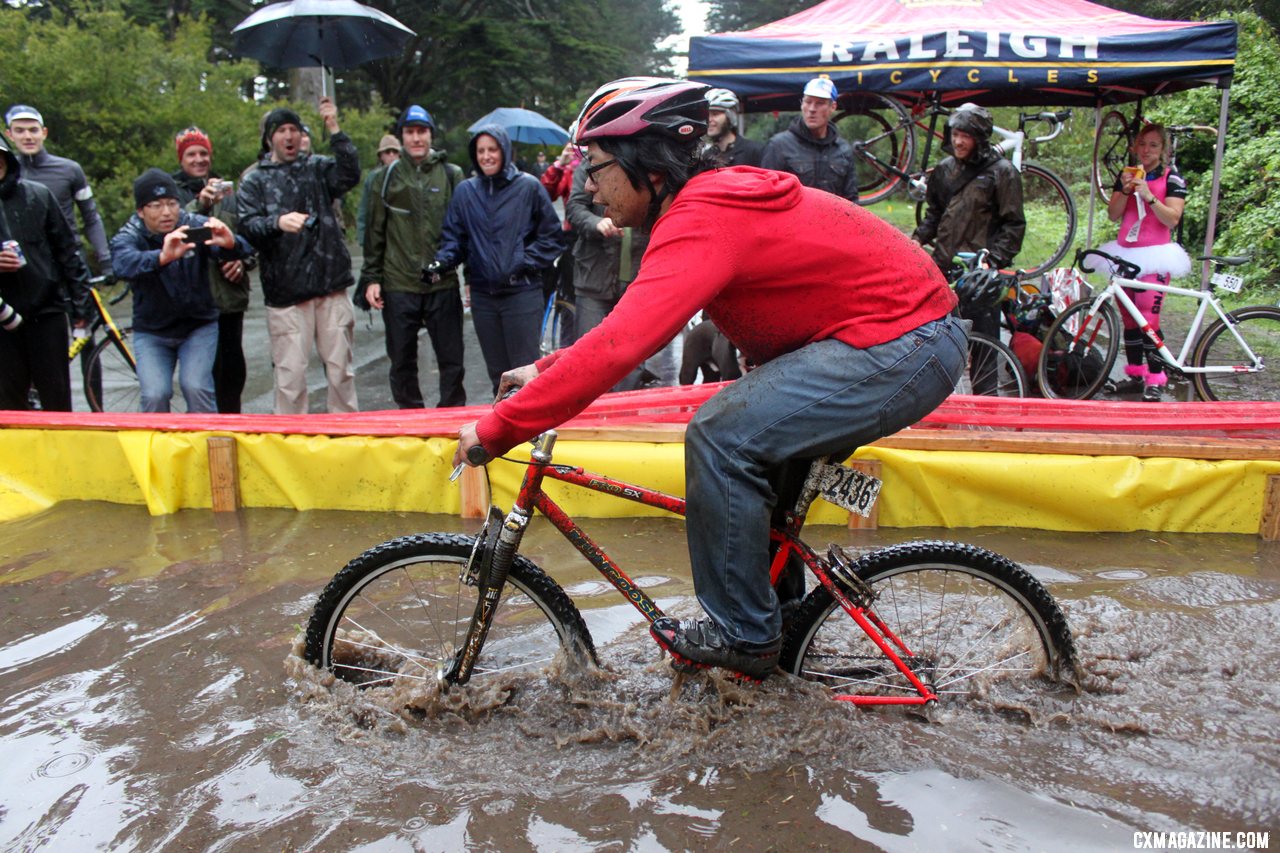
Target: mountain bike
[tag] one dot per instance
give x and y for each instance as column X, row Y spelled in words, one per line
column 109, row 372
column 913, row 624
column 1236, row 357
column 882, row 133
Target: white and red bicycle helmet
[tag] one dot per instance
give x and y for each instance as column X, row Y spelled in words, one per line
column 632, row 105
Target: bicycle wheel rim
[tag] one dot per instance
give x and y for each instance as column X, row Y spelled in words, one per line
column 1079, row 352
column 1260, row 328
column 1051, row 220
column 110, row 381
column 1111, row 151
column 992, row 370
column 970, row 631
column 403, row 616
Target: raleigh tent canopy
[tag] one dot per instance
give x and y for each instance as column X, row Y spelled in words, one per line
column 994, row 52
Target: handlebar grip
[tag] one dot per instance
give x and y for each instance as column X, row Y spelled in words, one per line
column 477, row 455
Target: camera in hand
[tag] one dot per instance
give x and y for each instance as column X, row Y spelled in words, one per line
column 198, row 235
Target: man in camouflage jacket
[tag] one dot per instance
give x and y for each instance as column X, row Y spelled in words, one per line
column 286, row 211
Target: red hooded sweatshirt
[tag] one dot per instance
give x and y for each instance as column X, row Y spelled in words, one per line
column 775, row 264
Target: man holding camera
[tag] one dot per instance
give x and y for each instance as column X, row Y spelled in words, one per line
column 38, row 257
column 165, row 252
column 200, row 190
column 286, row 211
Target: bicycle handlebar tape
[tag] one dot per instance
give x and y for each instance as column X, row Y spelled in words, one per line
column 477, row 455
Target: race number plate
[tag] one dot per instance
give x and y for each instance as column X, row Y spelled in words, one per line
column 848, row 488
column 1228, row 282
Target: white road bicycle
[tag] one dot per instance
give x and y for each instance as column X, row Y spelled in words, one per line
column 1235, row 357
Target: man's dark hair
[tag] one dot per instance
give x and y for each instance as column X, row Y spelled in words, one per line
column 677, row 162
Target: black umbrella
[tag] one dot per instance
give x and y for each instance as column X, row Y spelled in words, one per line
column 328, row 33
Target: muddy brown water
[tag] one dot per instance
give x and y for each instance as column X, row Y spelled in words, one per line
column 152, row 700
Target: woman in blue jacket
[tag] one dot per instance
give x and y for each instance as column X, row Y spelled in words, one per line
column 501, row 225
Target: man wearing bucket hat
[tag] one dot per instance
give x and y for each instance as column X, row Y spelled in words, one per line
column 811, row 148
column 408, row 200
column 388, row 153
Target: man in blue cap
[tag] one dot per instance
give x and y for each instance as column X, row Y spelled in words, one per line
column 407, row 204
column 811, row 148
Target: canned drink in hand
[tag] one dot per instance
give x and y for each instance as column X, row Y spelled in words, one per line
column 16, row 248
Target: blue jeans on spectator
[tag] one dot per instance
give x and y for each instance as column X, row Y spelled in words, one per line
column 508, row 326
column 194, row 354
column 825, row 398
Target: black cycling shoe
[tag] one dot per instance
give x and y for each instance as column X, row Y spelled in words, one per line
column 699, row 641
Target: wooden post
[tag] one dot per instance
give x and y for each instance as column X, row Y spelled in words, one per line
column 870, row 467
column 474, row 483
column 1269, row 529
column 224, row 474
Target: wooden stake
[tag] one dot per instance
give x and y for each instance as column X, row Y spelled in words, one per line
column 224, row 474
column 1269, row 529
column 475, row 492
column 872, row 468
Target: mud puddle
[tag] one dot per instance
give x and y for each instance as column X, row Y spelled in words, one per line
column 152, row 700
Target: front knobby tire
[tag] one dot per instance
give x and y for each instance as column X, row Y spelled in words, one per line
column 975, row 622
column 401, row 610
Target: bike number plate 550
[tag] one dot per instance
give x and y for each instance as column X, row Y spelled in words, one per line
column 847, row 488
column 1228, row 282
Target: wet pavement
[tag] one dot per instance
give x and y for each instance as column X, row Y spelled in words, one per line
column 152, row 699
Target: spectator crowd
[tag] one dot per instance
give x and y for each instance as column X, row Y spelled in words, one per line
column 438, row 237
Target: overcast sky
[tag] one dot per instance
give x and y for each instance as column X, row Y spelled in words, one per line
column 693, row 15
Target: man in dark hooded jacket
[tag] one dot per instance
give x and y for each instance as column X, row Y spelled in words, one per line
column 286, row 211
column 34, row 297
column 502, row 226
column 974, row 199
column 811, row 149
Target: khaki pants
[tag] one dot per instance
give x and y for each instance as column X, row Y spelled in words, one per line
column 330, row 322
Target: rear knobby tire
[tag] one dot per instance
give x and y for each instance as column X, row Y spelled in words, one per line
column 1079, row 352
column 110, row 380
column 976, row 623
column 993, row 370
column 401, row 610
column 1259, row 325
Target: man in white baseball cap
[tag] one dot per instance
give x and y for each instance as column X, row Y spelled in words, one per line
column 811, row 148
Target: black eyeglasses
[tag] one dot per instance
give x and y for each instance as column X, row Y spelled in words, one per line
column 591, row 170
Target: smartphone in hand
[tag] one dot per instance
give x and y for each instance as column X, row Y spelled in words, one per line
column 198, row 235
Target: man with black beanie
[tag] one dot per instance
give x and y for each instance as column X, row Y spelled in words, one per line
column 175, row 320
column 287, row 213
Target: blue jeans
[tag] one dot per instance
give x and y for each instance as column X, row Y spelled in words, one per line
column 508, row 326
column 825, row 398
column 157, row 355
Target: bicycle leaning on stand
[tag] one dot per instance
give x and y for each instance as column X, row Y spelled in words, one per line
column 1236, row 357
column 912, row 624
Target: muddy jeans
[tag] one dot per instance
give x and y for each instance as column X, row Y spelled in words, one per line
column 827, row 397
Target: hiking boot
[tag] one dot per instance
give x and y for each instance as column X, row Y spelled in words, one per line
column 700, row 642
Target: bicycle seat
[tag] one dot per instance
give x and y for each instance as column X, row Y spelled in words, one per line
column 1227, row 260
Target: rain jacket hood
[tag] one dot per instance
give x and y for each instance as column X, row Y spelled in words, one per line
column 748, row 189
column 11, row 176
column 508, row 172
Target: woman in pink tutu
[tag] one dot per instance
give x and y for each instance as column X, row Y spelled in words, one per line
column 1147, row 201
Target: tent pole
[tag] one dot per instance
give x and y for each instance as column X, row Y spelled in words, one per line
column 1093, row 184
column 1210, row 226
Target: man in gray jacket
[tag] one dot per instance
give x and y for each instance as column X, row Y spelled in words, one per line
column 811, row 149
column 286, row 211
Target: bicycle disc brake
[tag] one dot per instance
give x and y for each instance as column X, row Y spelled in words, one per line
column 846, row 577
column 481, row 559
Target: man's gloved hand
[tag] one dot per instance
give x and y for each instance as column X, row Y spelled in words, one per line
column 432, row 271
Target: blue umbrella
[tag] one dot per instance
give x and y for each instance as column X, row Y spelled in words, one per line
column 524, row 126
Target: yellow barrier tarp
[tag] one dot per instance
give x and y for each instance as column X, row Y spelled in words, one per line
column 168, row 471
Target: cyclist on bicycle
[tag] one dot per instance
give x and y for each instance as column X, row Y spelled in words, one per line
column 848, row 320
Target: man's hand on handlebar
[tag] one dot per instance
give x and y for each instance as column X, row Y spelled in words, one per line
column 470, row 451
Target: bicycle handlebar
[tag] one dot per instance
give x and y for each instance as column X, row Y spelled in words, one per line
column 1054, row 120
column 1123, row 268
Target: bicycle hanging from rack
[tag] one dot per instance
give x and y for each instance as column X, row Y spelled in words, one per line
column 883, row 135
